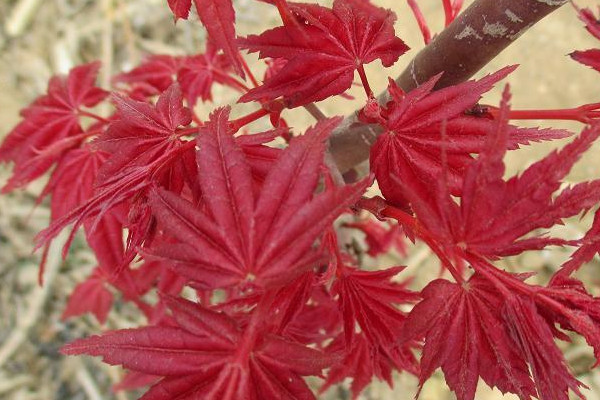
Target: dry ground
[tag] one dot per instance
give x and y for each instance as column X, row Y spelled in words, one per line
column 53, row 35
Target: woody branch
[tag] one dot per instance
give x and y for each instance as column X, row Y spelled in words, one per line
column 475, row 37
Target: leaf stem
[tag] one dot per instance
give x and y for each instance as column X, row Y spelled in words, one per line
column 364, row 80
column 448, row 12
column 236, row 124
column 249, row 72
column 413, row 224
column 416, row 10
column 584, row 114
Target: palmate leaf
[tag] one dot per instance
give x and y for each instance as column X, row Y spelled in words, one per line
column 243, row 237
column 465, row 336
column 143, row 147
column 152, row 76
column 591, row 57
column 198, row 74
column 51, row 125
column 218, row 17
column 199, row 357
column 419, row 125
column 367, row 298
column 494, row 216
column 589, row 246
column 323, row 48
column 92, row 296
column 225, row 172
column 180, row 8
column 496, row 327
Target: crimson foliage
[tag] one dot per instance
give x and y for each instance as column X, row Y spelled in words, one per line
column 250, row 226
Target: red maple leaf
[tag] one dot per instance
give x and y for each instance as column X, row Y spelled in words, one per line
column 419, row 124
column 367, row 299
column 152, row 77
column 569, row 304
column 142, row 132
column 91, row 295
column 51, row 125
column 380, row 237
column 144, row 147
column 591, row 57
column 316, row 320
column 494, row 215
column 497, row 327
column 180, row 8
column 589, row 246
column 198, row 74
column 324, row 48
column 195, row 74
column 247, row 237
column 73, row 180
column 218, row 17
column 206, row 354
column 71, row 185
column 362, row 361
column 466, row 336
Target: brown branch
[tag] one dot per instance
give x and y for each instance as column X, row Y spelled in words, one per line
column 477, row 35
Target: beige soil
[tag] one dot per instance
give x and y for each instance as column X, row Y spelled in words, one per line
column 58, row 34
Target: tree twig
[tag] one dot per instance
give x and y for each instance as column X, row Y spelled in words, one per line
column 87, row 383
column 38, row 299
column 20, row 17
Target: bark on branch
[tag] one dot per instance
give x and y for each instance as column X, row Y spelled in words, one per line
column 475, row 37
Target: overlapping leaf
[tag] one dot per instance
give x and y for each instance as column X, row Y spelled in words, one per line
column 367, row 301
column 241, row 237
column 364, row 360
column 144, row 147
column 202, row 356
column 152, row 77
column 589, row 246
column 466, row 337
column 380, row 238
column 180, row 8
column 92, row 296
column 498, row 328
column 421, row 123
column 591, row 57
column 51, row 125
column 218, row 17
column 494, row 215
column 198, row 74
column 367, row 298
column 323, row 48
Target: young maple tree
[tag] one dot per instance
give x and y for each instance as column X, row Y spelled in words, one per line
column 250, row 226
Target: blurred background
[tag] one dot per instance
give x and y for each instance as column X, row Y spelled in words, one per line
column 41, row 38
